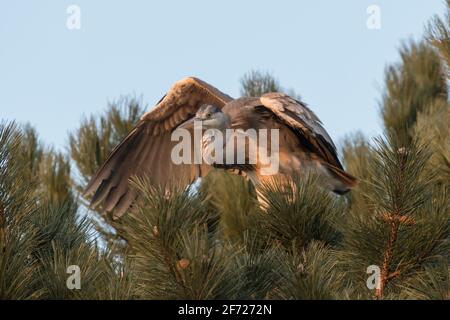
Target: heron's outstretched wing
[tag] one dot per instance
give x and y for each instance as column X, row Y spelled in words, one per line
column 309, row 130
column 146, row 150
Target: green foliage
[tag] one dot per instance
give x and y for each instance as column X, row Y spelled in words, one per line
column 396, row 184
column 17, row 236
column 433, row 283
column 309, row 274
column 221, row 239
column 41, row 237
column 300, row 212
column 29, row 151
column 357, row 154
column 49, row 167
column 433, row 130
column 438, row 32
column 412, row 86
column 256, row 83
column 180, row 253
column 233, row 198
column 94, row 140
column 398, row 217
column 91, row 144
column 175, row 256
column 405, row 225
column 256, row 269
column 54, row 174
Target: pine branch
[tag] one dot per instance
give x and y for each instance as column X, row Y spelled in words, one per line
column 438, row 33
column 301, row 211
column 412, row 86
column 387, row 260
column 256, row 83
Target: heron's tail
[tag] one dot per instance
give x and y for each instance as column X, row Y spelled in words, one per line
column 346, row 180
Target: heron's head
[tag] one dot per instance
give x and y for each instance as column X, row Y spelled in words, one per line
column 211, row 117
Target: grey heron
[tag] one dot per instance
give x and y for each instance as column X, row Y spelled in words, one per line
column 147, row 149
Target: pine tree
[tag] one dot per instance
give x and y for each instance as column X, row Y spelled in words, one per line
column 412, row 86
column 169, row 240
column 405, row 226
column 50, row 167
column 41, row 233
column 435, row 120
column 188, row 246
column 90, row 145
column 213, row 240
column 93, row 141
column 255, row 83
column 432, row 129
column 17, row 237
column 438, row 32
column 399, row 218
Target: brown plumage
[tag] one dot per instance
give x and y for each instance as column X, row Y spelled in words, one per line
column 146, row 150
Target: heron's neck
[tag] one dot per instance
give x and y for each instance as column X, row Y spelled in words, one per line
column 211, row 138
column 213, row 145
column 217, row 138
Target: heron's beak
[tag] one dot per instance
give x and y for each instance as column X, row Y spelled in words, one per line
column 189, row 124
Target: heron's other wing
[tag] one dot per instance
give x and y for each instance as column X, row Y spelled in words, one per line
column 146, row 150
column 309, row 130
column 299, row 117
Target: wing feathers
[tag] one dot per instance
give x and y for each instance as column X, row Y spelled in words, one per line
column 147, row 148
column 310, row 131
column 299, row 117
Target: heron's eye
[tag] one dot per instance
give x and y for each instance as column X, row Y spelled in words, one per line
column 208, row 115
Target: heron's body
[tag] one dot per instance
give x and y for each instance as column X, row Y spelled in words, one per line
column 294, row 154
column 303, row 144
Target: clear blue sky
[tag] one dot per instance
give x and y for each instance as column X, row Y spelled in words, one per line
column 52, row 76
